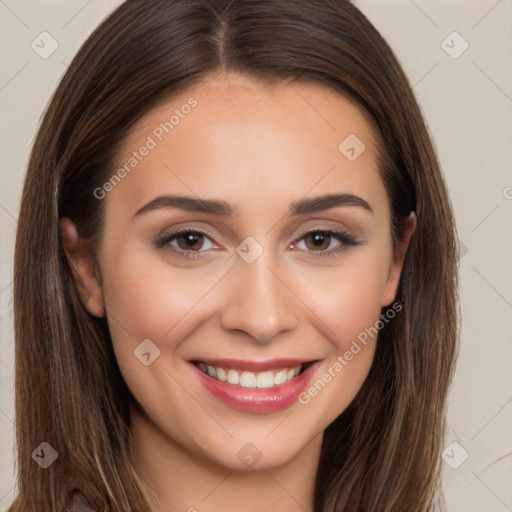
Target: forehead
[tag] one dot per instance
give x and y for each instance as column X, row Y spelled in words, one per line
column 233, row 133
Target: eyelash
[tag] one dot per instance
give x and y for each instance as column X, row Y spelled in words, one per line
column 165, row 239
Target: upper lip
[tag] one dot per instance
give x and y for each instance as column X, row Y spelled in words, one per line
column 253, row 365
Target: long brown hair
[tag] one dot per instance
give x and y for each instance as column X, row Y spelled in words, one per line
column 383, row 452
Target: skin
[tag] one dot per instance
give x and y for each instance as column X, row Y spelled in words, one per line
column 259, row 147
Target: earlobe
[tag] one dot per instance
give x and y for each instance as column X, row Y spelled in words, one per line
column 85, row 269
column 395, row 269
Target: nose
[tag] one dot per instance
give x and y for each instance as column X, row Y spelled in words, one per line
column 259, row 301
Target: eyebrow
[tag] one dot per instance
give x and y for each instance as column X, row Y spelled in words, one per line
column 224, row 209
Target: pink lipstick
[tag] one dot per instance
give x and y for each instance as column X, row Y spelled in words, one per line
column 259, row 387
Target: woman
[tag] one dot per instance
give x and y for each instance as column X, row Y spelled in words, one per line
column 189, row 349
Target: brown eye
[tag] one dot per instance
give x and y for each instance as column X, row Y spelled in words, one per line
column 190, row 241
column 185, row 242
column 319, row 241
column 326, row 243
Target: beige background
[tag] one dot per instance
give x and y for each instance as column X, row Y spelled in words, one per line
column 467, row 103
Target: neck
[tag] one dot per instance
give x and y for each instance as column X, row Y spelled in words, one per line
column 177, row 479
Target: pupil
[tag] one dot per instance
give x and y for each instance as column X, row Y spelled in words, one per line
column 191, row 240
column 319, row 240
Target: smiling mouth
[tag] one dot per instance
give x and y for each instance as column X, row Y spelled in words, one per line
column 253, row 379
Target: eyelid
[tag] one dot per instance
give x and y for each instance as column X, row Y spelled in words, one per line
column 344, row 237
column 165, row 235
column 341, row 230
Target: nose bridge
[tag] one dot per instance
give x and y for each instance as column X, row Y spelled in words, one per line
column 258, row 301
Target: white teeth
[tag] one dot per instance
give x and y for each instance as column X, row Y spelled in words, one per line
column 265, row 380
column 221, row 375
column 246, row 379
column 233, row 377
column 280, row 378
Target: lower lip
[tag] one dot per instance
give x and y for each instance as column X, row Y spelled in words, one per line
column 254, row 400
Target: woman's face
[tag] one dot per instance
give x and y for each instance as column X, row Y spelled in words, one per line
column 245, row 258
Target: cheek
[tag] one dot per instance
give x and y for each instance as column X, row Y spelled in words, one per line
column 346, row 299
column 145, row 300
column 347, row 302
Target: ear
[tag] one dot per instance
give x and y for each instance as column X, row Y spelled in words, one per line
column 395, row 269
column 84, row 267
